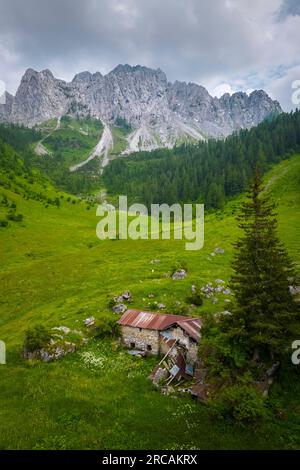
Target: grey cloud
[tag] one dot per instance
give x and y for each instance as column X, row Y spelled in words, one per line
column 206, row 42
column 289, row 8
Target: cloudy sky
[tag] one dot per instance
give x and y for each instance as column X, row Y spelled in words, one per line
column 225, row 45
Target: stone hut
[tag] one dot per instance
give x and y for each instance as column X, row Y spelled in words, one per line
column 155, row 333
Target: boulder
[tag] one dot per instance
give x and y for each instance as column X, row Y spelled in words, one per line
column 294, row 290
column 161, row 306
column 127, row 296
column 219, row 251
column 120, row 308
column 89, row 321
column 64, row 329
column 178, row 275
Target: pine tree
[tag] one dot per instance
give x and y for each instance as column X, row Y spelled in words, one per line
column 266, row 317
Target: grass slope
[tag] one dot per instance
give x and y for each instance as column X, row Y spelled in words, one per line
column 54, row 270
column 74, row 140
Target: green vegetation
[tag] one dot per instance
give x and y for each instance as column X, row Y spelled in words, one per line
column 266, row 318
column 74, row 140
column 242, row 347
column 120, row 131
column 71, row 143
column 54, row 271
column 18, row 157
column 209, row 172
column 36, row 338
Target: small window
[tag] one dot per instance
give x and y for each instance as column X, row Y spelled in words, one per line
column 149, row 347
column 132, row 345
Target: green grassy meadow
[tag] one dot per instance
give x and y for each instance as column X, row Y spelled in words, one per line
column 54, row 270
column 74, row 140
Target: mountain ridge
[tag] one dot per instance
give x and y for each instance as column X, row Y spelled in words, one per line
column 159, row 112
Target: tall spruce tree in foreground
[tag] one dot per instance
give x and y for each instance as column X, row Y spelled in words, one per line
column 266, row 317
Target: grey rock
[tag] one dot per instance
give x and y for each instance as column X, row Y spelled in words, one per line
column 294, row 290
column 180, row 274
column 120, row 308
column 127, row 296
column 89, row 321
column 64, row 329
column 272, row 371
column 227, row 291
column 161, row 306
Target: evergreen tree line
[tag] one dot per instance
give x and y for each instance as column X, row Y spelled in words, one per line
column 206, row 172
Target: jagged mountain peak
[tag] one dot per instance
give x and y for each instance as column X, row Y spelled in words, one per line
column 138, row 69
column 160, row 113
column 85, row 76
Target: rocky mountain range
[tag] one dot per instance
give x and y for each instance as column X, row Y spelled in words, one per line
column 159, row 113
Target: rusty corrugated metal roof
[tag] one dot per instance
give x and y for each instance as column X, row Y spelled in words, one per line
column 192, row 326
column 159, row 322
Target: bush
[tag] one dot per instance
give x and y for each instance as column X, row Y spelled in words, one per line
column 3, row 223
column 196, row 297
column 106, row 327
column 36, row 338
column 241, row 402
column 15, row 217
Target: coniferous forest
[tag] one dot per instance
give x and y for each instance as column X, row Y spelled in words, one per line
column 206, row 172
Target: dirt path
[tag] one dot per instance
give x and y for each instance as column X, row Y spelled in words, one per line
column 40, row 149
column 102, row 148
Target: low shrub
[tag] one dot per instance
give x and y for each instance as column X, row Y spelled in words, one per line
column 241, row 402
column 36, row 338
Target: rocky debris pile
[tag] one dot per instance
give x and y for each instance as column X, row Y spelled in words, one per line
column 209, row 290
column 118, row 303
column 125, row 297
column 52, row 353
column 179, row 274
column 57, row 346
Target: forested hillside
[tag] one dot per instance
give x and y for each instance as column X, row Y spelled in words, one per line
column 71, row 142
column 208, row 171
